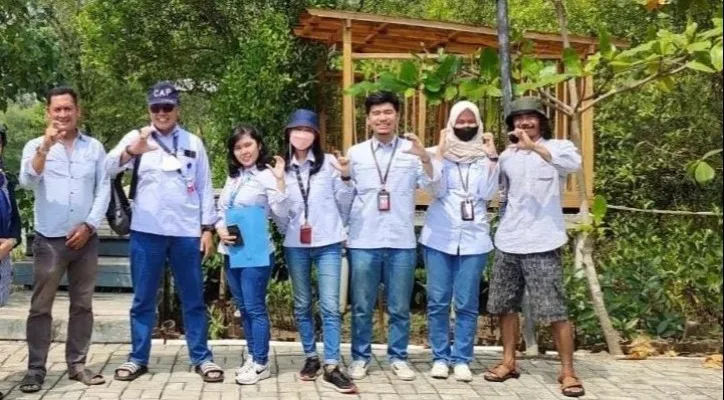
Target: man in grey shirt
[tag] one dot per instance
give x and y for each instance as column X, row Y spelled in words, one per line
column 531, row 232
column 65, row 169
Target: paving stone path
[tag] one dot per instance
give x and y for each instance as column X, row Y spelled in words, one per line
column 172, row 378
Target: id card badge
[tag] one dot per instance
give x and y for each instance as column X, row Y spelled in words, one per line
column 467, row 211
column 305, row 234
column 189, row 185
column 383, row 200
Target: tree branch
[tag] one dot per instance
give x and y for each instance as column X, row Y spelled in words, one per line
column 558, row 104
column 631, row 86
column 669, row 212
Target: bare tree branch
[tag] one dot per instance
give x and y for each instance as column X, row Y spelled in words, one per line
column 631, row 86
column 556, row 103
column 670, row 212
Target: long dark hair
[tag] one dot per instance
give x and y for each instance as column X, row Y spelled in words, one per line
column 316, row 150
column 236, row 134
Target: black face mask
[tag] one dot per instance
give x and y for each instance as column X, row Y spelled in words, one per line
column 467, row 133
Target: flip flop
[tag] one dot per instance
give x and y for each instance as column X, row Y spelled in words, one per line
column 571, row 386
column 206, row 369
column 134, row 371
column 494, row 374
column 31, row 383
column 87, row 377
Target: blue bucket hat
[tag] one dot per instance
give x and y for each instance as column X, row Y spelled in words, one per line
column 303, row 118
column 163, row 92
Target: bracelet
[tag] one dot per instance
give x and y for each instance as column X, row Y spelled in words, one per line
column 345, row 178
column 493, row 159
column 207, row 228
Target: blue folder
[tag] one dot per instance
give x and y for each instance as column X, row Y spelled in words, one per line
column 254, row 227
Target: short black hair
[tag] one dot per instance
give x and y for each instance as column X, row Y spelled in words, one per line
column 60, row 91
column 381, row 97
column 236, row 134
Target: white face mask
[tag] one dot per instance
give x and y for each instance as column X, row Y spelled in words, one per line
column 301, row 140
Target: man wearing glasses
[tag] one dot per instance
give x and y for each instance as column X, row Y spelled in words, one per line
column 173, row 212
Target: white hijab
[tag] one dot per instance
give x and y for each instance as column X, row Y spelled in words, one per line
column 457, row 150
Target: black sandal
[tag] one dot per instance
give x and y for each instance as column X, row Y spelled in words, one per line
column 206, row 369
column 31, row 383
column 134, row 371
column 87, row 377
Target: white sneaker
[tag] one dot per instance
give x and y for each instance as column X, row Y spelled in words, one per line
column 440, row 370
column 254, row 374
column 462, row 373
column 358, row 369
column 403, row 371
column 248, row 363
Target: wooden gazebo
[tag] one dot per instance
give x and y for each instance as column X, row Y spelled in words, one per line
column 364, row 36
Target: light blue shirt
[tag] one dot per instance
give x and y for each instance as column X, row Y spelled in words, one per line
column 329, row 203
column 533, row 221
column 72, row 189
column 444, row 228
column 168, row 203
column 370, row 228
column 253, row 188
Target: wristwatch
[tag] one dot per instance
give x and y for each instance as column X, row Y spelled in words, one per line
column 207, row 228
column 345, row 178
column 493, row 159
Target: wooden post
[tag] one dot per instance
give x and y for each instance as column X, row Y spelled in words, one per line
column 587, row 137
column 347, row 81
column 322, row 106
column 421, row 116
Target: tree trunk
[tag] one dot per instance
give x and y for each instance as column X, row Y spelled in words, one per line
column 531, row 345
column 584, row 243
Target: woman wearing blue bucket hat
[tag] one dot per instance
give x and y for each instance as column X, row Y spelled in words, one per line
column 319, row 201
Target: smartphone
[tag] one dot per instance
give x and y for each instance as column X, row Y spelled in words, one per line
column 235, row 231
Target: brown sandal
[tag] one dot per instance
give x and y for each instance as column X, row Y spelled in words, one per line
column 494, row 375
column 571, row 386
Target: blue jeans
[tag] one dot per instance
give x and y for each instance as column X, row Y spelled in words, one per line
column 248, row 286
column 395, row 268
column 149, row 253
column 328, row 260
column 453, row 276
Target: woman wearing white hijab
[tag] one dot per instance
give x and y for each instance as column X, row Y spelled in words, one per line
column 456, row 237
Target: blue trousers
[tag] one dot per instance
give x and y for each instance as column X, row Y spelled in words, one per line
column 248, row 286
column 453, row 278
column 149, row 253
column 328, row 260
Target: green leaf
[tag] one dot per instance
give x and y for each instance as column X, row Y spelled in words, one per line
column 409, row 92
column 572, row 61
column 387, row 81
column 449, row 66
column 717, row 57
column 717, row 22
column 666, row 84
column 661, row 328
column 450, row 93
column 432, row 83
column 604, row 42
column 599, row 208
column 704, row 172
column 494, row 91
column 632, row 324
column 408, row 72
column 471, row 89
column 698, row 46
column 698, row 66
column 489, row 63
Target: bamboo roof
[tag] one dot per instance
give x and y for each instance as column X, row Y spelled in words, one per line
column 373, row 33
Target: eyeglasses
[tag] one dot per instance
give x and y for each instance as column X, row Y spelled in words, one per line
column 157, row 108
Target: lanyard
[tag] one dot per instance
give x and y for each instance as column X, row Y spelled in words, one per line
column 383, row 179
column 305, row 193
column 242, row 181
column 464, row 182
column 166, row 149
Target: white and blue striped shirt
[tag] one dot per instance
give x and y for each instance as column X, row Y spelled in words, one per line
column 72, row 189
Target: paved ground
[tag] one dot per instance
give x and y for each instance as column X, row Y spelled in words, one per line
column 171, row 378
